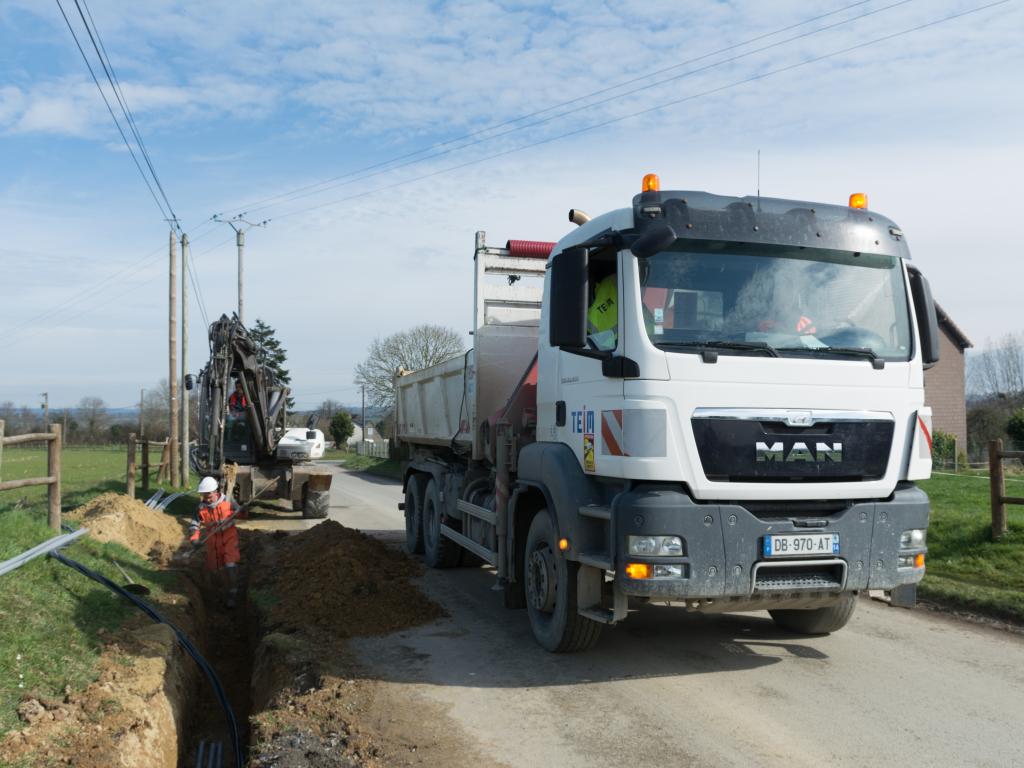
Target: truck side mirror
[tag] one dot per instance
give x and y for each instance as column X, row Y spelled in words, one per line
column 654, row 240
column 568, row 313
column 925, row 315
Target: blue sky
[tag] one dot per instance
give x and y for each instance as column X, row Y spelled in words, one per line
column 244, row 102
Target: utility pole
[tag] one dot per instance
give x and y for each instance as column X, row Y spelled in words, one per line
column 142, row 405
column 172, row 377
column 184, row 360
column 46, row 411
column 241, row 225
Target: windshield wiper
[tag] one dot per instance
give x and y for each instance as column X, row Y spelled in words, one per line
column 870, row 354
column 743, row 346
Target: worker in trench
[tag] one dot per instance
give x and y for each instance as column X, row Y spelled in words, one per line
column 214, row 526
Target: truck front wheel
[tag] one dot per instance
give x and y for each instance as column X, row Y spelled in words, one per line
column 550, row 586
column 438, row 551
column 414, row 515
column 817, row 621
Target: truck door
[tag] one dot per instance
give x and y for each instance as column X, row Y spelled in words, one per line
column 573, row 399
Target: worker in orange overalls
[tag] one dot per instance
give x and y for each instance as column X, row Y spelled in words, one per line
column 214, row 525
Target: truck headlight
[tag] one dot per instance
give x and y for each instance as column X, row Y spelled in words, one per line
column 913, row 539
column 656, row 546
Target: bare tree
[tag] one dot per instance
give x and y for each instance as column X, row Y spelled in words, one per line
column 92, row 414
column 413, row 350
column 999, row 370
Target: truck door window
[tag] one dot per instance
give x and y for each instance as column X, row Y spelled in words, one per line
column 603, row 307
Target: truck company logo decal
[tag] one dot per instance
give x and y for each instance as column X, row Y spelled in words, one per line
column 633, row 432
column 582, row 421
column 776, row 452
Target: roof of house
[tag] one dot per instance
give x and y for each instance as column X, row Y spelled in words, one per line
column 951, row 328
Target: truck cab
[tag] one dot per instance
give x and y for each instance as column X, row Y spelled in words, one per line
column 726, row 413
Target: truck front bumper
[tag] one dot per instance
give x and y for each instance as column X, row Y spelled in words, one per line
column 723, row 545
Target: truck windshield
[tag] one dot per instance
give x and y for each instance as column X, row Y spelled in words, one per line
column 748, row 299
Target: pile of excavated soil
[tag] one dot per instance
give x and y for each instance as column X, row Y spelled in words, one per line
column 341, row 581
column 129, row 522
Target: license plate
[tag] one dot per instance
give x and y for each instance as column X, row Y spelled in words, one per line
column 801, row 544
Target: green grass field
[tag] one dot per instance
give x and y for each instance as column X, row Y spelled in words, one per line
column 44, row 600
column 373, row 466
column 964, row 566
column 51, row 616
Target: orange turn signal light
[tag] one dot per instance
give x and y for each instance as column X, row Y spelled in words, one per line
column 651, row 183
column 638, row 570
column 858, row 200
column 919, row 560
column 563, row 544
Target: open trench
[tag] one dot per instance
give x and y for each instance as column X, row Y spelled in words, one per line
column 227, row 636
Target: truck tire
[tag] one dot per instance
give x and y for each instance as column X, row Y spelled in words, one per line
column 550, row 586
column 817, row 621
column 414, row 515
column 315, row 504
column 438, row 551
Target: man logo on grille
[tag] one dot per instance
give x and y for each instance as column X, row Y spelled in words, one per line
column 798, row 452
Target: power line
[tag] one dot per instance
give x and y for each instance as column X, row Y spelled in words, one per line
column 600, row 102
column 648, row 110
column 294, row 194
column 115, row 86
column 112, row 115
column 32, row 333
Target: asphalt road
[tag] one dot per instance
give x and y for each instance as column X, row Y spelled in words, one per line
column 894, row 688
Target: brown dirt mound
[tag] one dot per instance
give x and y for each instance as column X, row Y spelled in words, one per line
column 341, row 581
column 129, row 522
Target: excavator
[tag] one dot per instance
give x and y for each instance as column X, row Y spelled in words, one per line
column 244, row 440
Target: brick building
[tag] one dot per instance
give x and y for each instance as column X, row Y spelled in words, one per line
column 944, row 384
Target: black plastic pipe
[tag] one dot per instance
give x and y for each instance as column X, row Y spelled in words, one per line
column 190, row 649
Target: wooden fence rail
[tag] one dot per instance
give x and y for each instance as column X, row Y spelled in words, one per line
column 997, row 485
column 138, row 446
column 52, row 479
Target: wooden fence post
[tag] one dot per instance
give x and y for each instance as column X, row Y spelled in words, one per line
column 145, row 466
column 997, row 486
column 129, row 480
column 53, row 470
column 163, row 473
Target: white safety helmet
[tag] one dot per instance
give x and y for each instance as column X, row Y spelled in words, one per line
column 208, row 485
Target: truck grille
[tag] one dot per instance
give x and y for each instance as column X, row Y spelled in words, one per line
column 760, row 447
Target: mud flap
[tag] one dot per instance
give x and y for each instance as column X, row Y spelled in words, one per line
column 903, row 596
column 589, row 585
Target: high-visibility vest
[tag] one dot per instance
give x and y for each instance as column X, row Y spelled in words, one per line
column 604, row 310
column 222, row 546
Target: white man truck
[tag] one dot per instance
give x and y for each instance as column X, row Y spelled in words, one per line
column 708, row 401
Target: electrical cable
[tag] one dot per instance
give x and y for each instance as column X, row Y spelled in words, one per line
column 190, row 649
column 251, row 206
column 648, row 110
column 13, row 342
column 112, row 115
column 604, row 101
column 115, row 86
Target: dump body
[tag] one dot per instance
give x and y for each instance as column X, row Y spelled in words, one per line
column 742, row 430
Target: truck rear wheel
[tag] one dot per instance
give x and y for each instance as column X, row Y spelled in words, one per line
column 816, row 621
column 414, row 515
column 550, row 585
column 315, row 504
column 438, row 551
